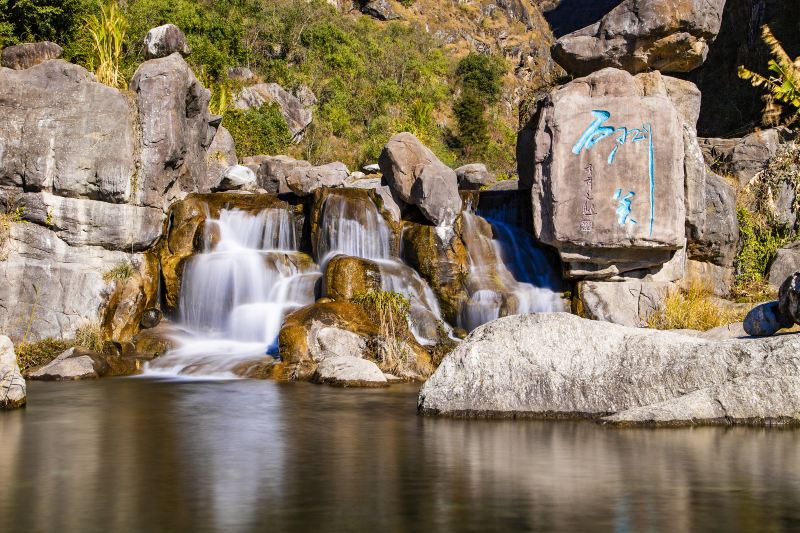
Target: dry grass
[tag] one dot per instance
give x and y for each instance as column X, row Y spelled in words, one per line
column 121, row 272
column 390, row 310
column 692, row 308
column 90, row 336
column 32, row 355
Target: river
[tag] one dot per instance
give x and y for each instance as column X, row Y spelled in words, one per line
column 147, row 455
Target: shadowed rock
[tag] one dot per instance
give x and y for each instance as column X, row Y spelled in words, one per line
column 12, row 384
column 27, row 55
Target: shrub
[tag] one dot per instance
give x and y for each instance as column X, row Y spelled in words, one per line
column 90, row 336
column 107, row 32
column 258, row 131
column 693, row 308
column 32, row 355
column 60, row 21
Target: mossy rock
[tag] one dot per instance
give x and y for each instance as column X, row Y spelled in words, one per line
column 347, row 276
column 122, row 312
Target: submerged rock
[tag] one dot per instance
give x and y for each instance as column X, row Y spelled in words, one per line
column 12, row 384
column 348, row 371
column 27, row 55
column 559, row 365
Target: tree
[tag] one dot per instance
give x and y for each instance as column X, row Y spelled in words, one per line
column 473, row 134
column 42, row 20
column 480, row 78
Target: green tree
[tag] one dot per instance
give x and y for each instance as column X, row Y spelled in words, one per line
column 480, row 79
column 59, row 21
column 473, row 131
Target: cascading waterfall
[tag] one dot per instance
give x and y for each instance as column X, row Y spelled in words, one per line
column 236, row 293
column 353, row 226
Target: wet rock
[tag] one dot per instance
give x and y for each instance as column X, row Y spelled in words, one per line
column 346, row 371
column 27, row 55
column 579, row 368
column 418, row 177
column 221, row 156
column 789, row 299
column 640, row 35
column 765, row 319
column 272, row 171
column 297, row 116
column 151, row 318
column 474, row 176
column 626, row 212
column 786, row 262
column 347, row 276
column 304, row 180
column 628, row 303
column 64, row 133
column 176, row 130
column 236, row 178
column 379, row 9
column 164, row 41
column 125, row 306
column 12, row 384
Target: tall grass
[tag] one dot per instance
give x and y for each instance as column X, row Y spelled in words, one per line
column 390, row 310
column 691, row 308
column 108, row 33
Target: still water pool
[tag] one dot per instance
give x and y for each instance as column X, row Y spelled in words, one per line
column 144, row 455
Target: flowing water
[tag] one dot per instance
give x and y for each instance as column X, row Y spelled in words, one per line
column 141, row 455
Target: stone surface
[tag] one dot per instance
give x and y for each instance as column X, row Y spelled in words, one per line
column 581, row 368
column 176, row 130
column 347, row 276
column 764, row 320
column 297, row 116
column 640, row 35
column 348, row 371
column 124, row 309
column 304, row 180
column 418, row 177
column 379, row 9
column 164, row 41
column 221, row 155
column 717, row 279
column 628, row 303
column 272, row 171
column 27, row 55
column 12, row 384
column 64, row 133
column 786, row 263
column 742, row 157
column 606, row 169
column 68, row 366
column 789, row 299
column 236, row 178
column 474, row 176
column 713, row 235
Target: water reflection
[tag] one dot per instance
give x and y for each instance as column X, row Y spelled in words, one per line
column 133, row 455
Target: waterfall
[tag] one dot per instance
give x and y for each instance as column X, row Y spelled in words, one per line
column 236, row 293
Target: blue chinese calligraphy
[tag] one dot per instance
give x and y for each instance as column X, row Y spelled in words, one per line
column 599, row 130
column 624, row 208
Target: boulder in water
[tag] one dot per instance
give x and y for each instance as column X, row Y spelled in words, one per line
column 164, row 41
column 348, row 371
column 70, row 365
column 419, row 178
column 27, row 55
column 151, row 318
column 560, row 365
column 12, row 384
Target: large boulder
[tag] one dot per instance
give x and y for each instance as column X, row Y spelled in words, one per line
column 559, row 365
column 272, row 171
column 347, row 276
column 418, row 177
column 176, row 130
column 604, row 157
column 474, row 176
column 164, row 41
column 27, row 55
column 63, row 132
column 236, row 178
column 297, row 116
column 12, row 384
column 629, row 303
column 713, row 235
column 77, row 364
column 786, row 263
column 743, row 157
column 640, row 35
column 304, row 180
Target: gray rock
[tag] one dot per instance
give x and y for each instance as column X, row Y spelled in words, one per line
column 379, row 9
column 713, row 235
column 606, row 205
column 505, row 185
column 68, row 366
column 374, row 168
column 297, row 116
column 769, row 401
column 272, row 171
column 555, row 364
column 764, row 320
column 418, row 177
column 304, row 180
column 176, row 130
column 164, row 41
column 789, row 299
column 220, row 156
column 717, row 279
column 786, row 262
column 12, row 384
column 628, row 303
column 81, row 222
column 686, row 98
column 64, row 133
column 640, row 35
column 388, row 202
column 346, row 371
column 240, row 74
column 336, row 342
column 236, row 178
column 27, row 55
column 474, row 176
column 743, row 157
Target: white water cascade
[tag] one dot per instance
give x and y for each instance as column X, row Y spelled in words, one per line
column 236, row 293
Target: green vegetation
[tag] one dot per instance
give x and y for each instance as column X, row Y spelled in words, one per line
column 120, row 272
column 60, row 21
column 390, row 310
column 108, row 33
column 258, row 131
column 783, row 85
column 31, row 355
column 480, row 79
column 692, row 308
